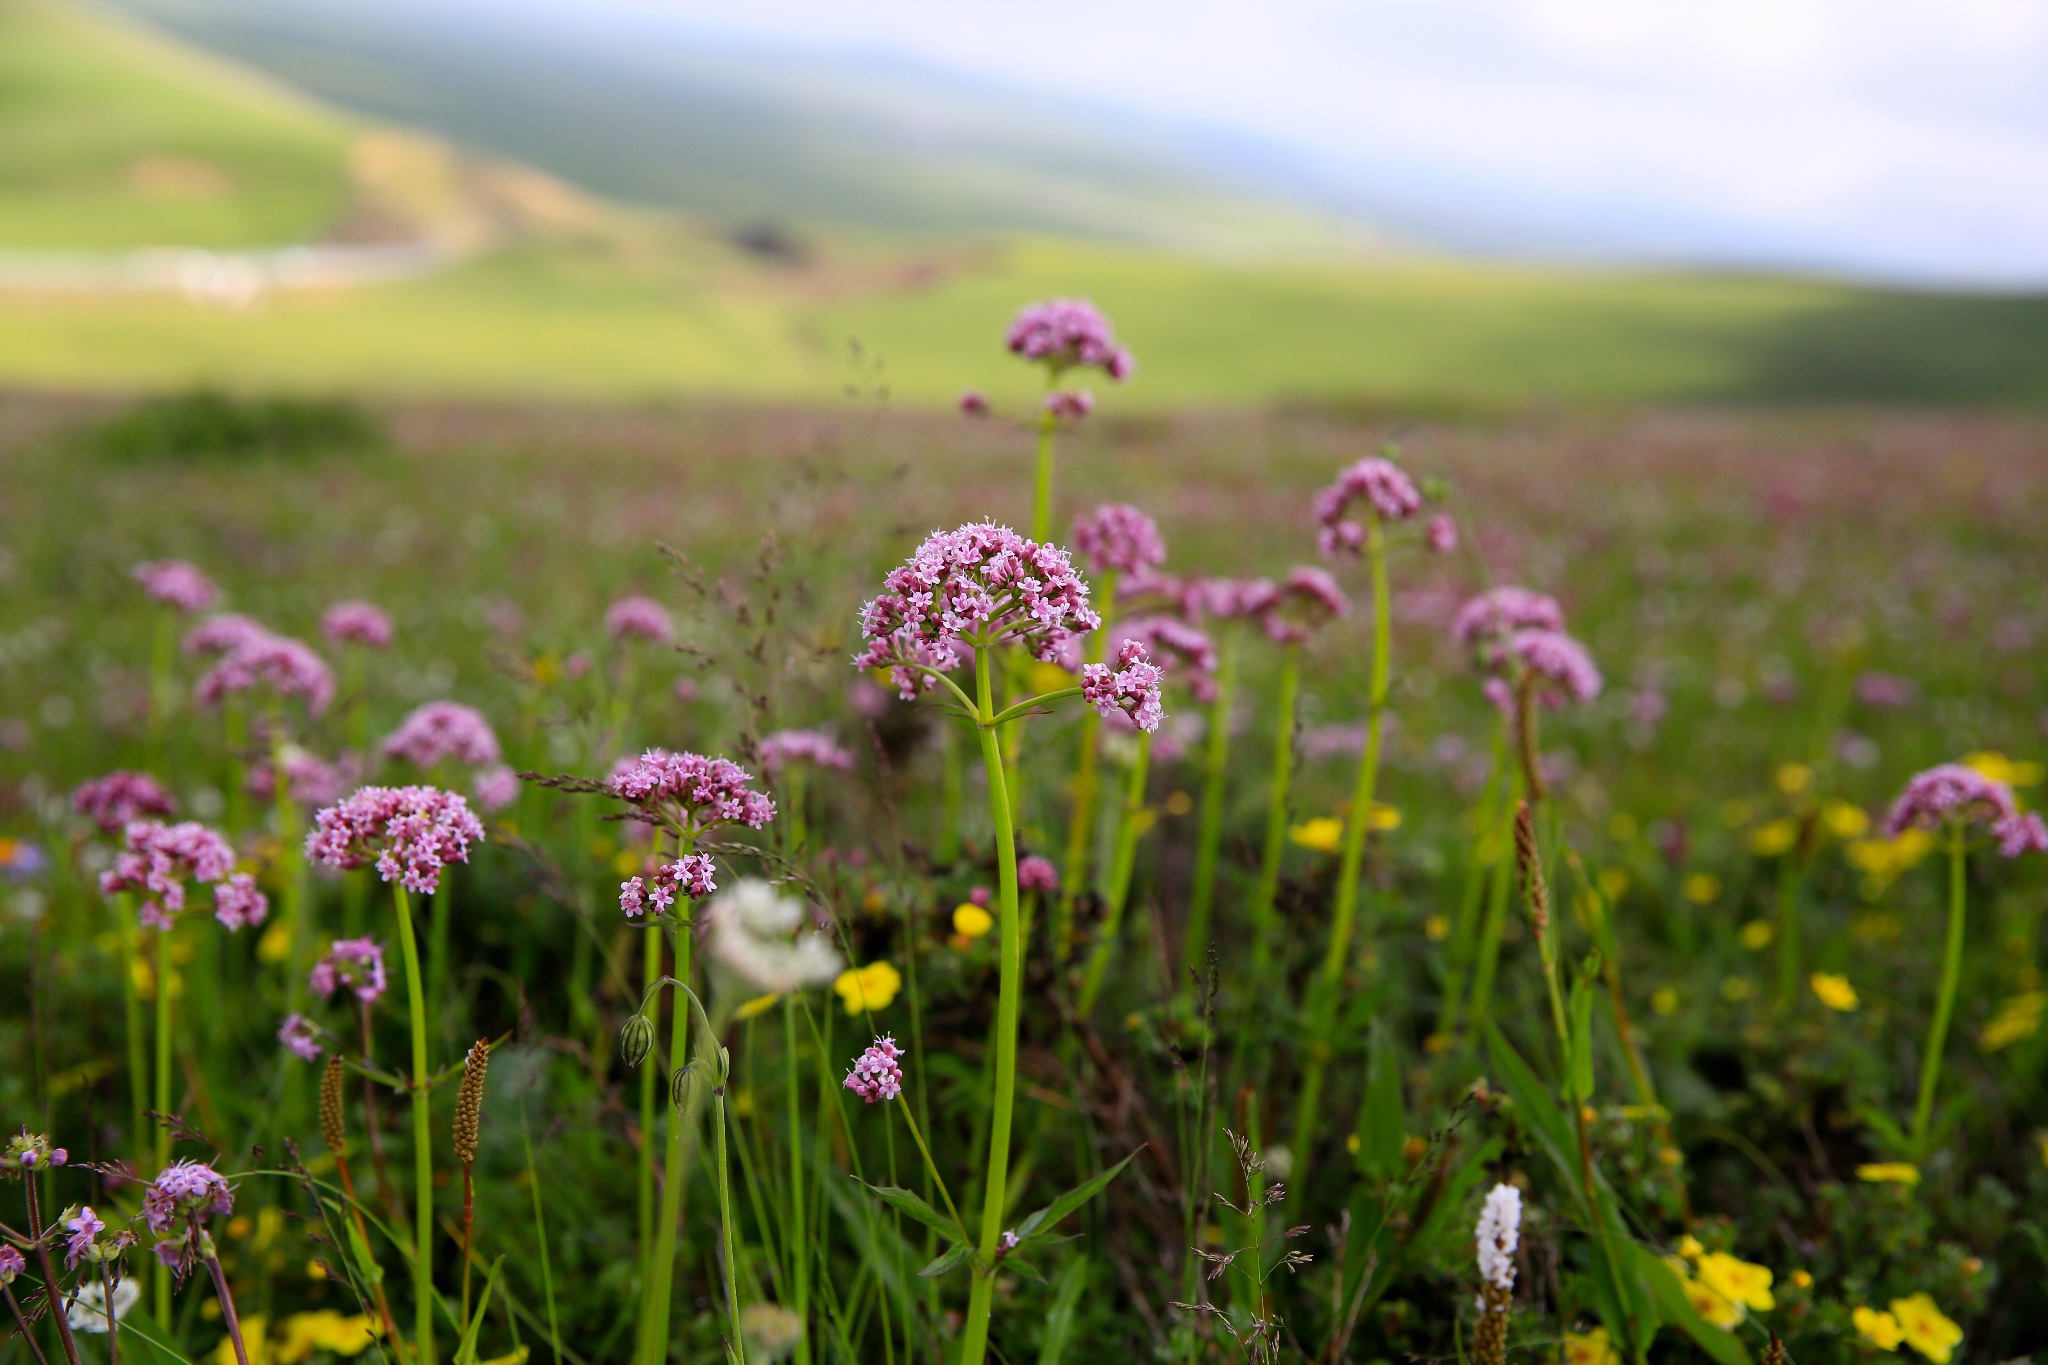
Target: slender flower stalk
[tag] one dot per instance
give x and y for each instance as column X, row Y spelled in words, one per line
column 1062, row 334
column 1087, row 779
column 1464, row 944
column 1287, row 700
column 26, row 1156
column 1122, row 861
column 334, row 1132
column 1215, row 774
column 469, row 1101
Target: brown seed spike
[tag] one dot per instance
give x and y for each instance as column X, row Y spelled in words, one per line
column 1529, row 867
column 469, row 1100
column 1774, row 1354
column 332, row 1130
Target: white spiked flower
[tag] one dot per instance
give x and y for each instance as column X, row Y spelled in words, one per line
column 1498, row 1233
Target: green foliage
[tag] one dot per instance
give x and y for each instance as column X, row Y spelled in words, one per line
column 211, row 424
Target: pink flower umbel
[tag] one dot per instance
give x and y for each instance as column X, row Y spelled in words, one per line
column 410, row 833
column 223, row 634
column 176, row 583
column 688, row 877
column 1228, row 598
column 1954, row 795
column 639, row 618
column 1386, row 489
column 1503, row 611
column 356, row 623
column 688, row 794
column 1306, row 600
column 814, row 747
column 114, row 801
column 1037, row 874
column 176, row 1206
column 85, row 1227
column 1886, row 691
column 158, row 859
column 983, row 584
column 1562, row 669
column 1070, row 405
column 1441, row 534
column 1117, row 536
column 238, row 904
column 494, row 788
column 1183, row 652
column 1130, row 687
column 309, row 780
column 443, row 731
column 354, row 963
column 300, row 1037
column 877, row 1074
column 282, row 665
column 974, row 403
column 1062, row 334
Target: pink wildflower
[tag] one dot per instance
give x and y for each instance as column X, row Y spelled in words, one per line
column 639, row 618
column 356, row 963
column 238, row 904
column 223, row 633
column 494, row 788
column 441, row 731
column 176, row 583
column 356, row 623
column 1230, row 597
column 1130, row 687
column 877, row 1073
column 1181, row 649
column 158, row 859
column 309, row 781
column 410, row 833
column 1503, row 611
column 1307, row 600
column 803, row 746
column 1063, row 333
column 1387, row 490
column 1562, row 668
column 1952, row 794
column 185, row 1187
column 1441, row 534
column 1037, row 874
column 974, row 403
column 980, row 584
column 689, row 793
column 300, row 1037
column 85, row 1226
column 1886, row 691
column 1118, row 537
column 11, row 1264
column 689, row 877
column 1069, row 405
column 285, row 666
column 113, row 801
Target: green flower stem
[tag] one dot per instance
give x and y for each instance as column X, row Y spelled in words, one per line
column 291, row 863
column 1462, row 947
column 932, row 1169
column 1323, row 1000
column 952, row 786
column 799, row 1241
column 793, row 805
column 162, row 1278
column 422, row 1136
column 660, row 1286
column 1215, row 766
column 732, row 1250
column 974, row 1334
column 1130, row 828
column 1041, row 499
column 162, row 659
column 1263, row 927
column 235, row 737
column 1087, row 781
column 1487, row 956
column 1945, row 1001
column 131, row 1003
column 650, row 957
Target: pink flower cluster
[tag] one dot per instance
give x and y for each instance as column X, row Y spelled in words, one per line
column 1129, row 688
column 1306, row 600
column 1441, row 534
column 1232, row 597
column 494, row 788
column 185, row 1187
column 114, row 801
column 974, row 403
column 1886, row 691
column 300, row 1038
column 982, row 583
column 1386, row 488
column 1069, row 405
column 689, row 877
column 1181, row 650
column 877, row 1073
column 689, row 793
column 1037, row 874
column 284, row 665
column 803, row 746
column 85, row 1226
column 1503, row 611
column 158, row 859
column 1062, row 333
column 1118, row 537
column 443, row 731
column 639, row 618
column 1953, row 792
column 356, row 623
column 176, row 583
column 356, row 963
column 223, row 633
column 1562, row 667
column 309, row 780
column 238, row 904
column 410, row 833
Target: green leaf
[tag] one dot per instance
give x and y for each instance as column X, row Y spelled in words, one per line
column 1676, row 1309
column 951, row 1257
column 1383, row 1120
column 465, row 1354
column 1050, row 1215
column 1582, row 1040
column 366, row 1264
column 1546, row 1122
column 903, row 1201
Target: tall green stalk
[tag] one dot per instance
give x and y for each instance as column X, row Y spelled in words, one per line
column 650, row 976
column 1945, row 1000
column 422, row 1137
column 1215, row 768
column 659, row 1288
column 162, row 659
column 1288, row 694
column 1323, row 1000
column 162, row 1283
column 1041, row 498
column 131, row 1005
column 1462, row 949
column 1130, row 828
column 799, row 1242
column 1087, row 782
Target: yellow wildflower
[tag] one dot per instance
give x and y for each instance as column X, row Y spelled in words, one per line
column 1436, row 928
column 1845, row 821
column 1049, row 678
column 1179, row 803
column 1589, row 1348
column 1709, row 1302
column 1670, row 1156
column 1802, row 1279
column 1613, row 883
column 1324, row 834
column 2017, row 1019
column 1702, row 888
column 1757, row 934
column 1925, row 1328
column 1383, row 816
column 1881, row 861
column 1833, row 991
column 1768, row 841
column 276, row 943
column 1690, row 1248
column 758, row 1006
column 1664, row 1000
column 324, row 1330
column 1999, row 768
column 1879, row 1329
column 970, row 921
column 1740, row 1281
column 255, row 1338
column 547, row 669
column 1351, row 1144
column 1889, row 1173
column 874, row 986
column 1793, row 778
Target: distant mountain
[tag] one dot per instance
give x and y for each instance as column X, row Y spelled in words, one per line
column 636, row 107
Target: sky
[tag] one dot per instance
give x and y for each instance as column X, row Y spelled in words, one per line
column 1906, row 141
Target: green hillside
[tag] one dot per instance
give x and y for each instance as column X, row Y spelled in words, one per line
column 113, row 137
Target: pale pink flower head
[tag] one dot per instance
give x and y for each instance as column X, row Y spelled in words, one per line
column 309, row 780
column 410, row 833
column 1441, row 534
column 974, row 403
column 1953, row 795
column 688, row 794
column 185, row 1188
column 158, row 859
column 116, row 800
column 1559, row 666
column 1118, row 537
column 877, row 1073
column 690, row 877
column 176, row 583
column 356, row 623
column 1037, row 874
column 85, row 1227
column 1183, row 652
column 1062, row 334
column 1501, row 612
column 1886, row 691
column 1387, row 491
column 813, row 747
column 354, row 963
column 1229, row 598
column 494, row 788
column 1306, row 600
column 11, row 1264
column 223, row 633
column 1069, row 405
column 238, row 904
column 440, row 732
column 1130, row 687
column 278, row 663
column 981, row 584
column 300, row 1037
column 639, row 618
